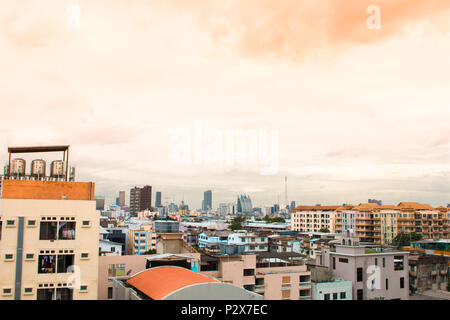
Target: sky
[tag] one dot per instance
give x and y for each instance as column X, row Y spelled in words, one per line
column 233, row 96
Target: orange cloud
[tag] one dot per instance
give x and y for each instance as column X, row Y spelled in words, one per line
column 292, row 29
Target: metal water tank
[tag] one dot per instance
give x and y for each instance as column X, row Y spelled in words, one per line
column 57, row 169
column 38, row 168
column 18, row 167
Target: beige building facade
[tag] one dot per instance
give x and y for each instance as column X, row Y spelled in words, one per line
column 48, row 247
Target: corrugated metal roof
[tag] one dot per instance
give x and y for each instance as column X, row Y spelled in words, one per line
column 159, row 282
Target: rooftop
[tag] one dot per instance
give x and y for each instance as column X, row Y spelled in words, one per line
column 159, row 282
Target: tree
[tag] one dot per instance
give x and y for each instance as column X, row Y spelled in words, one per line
column 325, row 230
column 272, row 220
column 405, row 239
column 235, row 226
column 151, row 251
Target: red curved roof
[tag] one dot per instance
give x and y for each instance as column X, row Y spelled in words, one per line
column 158, row 282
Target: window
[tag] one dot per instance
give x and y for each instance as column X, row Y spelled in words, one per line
column 7, row 291
column 64, row 294
column 376, row 261
column 48, row 230
column 29, row 256
column 384, row 262
column 343, row 295
column 66, row 231
column 86, row 223
column 10, row 223
column 343, row 260
column 47, row 264
column 249, row 272
column 64, row 261
column 116, row 270
column 359, row 294
column 334, row 263
column 326, row 296
column 398, row 263
column 387, row 284
column 304, row 293
column 28, row 290
column 359, row 274
column 31, row 223
column 304, row 279
column 335, row 296
column 84, row 255
column 110, row 292
column 9, row 256
column 83, row 288
column 45, row 294
column 402, row 283
column 1, row 224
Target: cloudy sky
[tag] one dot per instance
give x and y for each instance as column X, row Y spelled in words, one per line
column 191, row 95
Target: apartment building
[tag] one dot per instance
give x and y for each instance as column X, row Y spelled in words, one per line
column 423, row 219
column 279, row 243
column 313, row 218
column 248, row 241
column 140, row 199
column 210, row 240
column 275, row 276
column 374, row 275
column 381, row 224
column 48, row 228
column 141, row 240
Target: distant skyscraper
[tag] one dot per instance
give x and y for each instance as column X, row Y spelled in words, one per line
column 117, row 201
column 244, row 204
column 379, row 202
column 140, row 199
column 292, row 205
column 207, row 200
column 275, row 208
column 121, row 199
column 158, row 199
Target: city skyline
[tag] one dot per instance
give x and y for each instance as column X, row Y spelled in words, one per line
column 119, row 87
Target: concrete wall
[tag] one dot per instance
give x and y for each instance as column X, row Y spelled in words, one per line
column 134, row 263
column 47, row 190
column 348, row 271
column 319, row 289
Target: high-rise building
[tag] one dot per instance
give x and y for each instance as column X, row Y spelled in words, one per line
column 244, row 204
column 49, row 236
column 158, row 199
column 275, row 208
column 379, row 202
column 135, row 201
column 140, row 199
column 121, row 199
column 207, row 200
column 292, row 205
